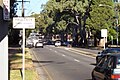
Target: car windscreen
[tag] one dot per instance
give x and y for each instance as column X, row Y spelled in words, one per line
column 113, row 50
column 118, row 62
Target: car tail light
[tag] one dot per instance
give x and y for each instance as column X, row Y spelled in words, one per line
column 115, row 76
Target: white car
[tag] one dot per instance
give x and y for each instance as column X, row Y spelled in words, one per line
column 39, row 44
column 58, row 43
column 35, row 40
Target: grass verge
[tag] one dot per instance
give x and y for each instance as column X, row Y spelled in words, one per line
column 16, row 66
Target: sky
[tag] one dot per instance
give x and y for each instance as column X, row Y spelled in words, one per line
column 34, row 6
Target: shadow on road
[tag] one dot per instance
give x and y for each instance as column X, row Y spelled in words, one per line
column 94, row 64
column 44, row 63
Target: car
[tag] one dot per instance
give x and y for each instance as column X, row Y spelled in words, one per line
column 65, row 43
column 39, row 44
column 108, row 68
column 106, row 51
column 29, row 43
column 57, row 43
column 49, row 42
column 35, row 40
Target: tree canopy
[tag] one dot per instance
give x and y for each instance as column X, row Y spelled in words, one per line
column 77, row 17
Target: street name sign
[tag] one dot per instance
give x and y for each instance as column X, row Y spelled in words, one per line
column 24, row 22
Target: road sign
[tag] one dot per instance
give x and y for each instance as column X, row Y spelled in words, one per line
column 103, row 32
column 24, row 22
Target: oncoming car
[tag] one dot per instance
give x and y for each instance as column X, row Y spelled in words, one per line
column 57, row 43
column 39, row 44
column 108, row 68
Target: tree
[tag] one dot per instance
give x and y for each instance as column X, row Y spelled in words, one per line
column 100, row 17
column 13, row 34
column 77, row 17
column 13, row 8
column 71, row 11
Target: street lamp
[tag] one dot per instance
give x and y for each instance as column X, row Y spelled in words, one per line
column 116, row 16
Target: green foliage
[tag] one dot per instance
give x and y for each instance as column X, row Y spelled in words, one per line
column 85, row 14
column 67, row 11
column 61, row 26
column 101, row 17
column 13, row 8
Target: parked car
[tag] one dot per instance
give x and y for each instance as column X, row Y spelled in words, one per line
column 108, row 68
column 29, row 43
column 106, row 51
column 65, row 43
column 57, row 43
column 35, row 40
column 49, row 42
column 39, row 44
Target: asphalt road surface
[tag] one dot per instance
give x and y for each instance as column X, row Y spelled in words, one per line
column 59, row 63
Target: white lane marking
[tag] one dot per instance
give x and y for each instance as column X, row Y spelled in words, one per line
column 55, row 51
column 63, row 55
column 50, row 49
column 76, row 60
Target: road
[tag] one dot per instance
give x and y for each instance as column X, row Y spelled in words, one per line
column 59, row 63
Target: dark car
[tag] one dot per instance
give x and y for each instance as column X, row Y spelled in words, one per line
column 106, row 51
column 108, row 68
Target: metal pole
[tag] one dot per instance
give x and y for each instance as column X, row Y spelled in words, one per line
column 116, row 11
column 104, row 43
column 22, row 8
column 23, row 60
column 23, row 54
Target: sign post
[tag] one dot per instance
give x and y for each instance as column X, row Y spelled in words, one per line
column 104, row 34
column 23, row 23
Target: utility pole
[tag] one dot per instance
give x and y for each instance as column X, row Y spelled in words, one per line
column 23, row 12
column 3, row 42
column 116, row 15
